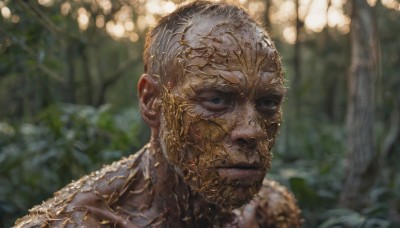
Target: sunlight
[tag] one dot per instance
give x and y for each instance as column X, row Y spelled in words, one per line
column 316, row 18
column 283, row 13
column 129, row 26
column 338, row 3
column 256, row 8
column 123, row 14
column 160, row 8
column 150, row 20
column 65, row 8
column 105, row 5
column 141, row 22
column 372, row 2
column 83, row 18
column 337, row 19
column 46, row 3
column 116, row 30
column 169, row 7
column 315, row 22
column 119, row 30
column 315, row 15
column 100, row 21
column 133, row 37
column 153, row 7
column 5, row 12
column 303, row 7
column 289, row 34
column 110, row 27
column 391, row 4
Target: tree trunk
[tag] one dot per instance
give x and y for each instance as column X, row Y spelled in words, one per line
column 87, row 76
column 296, row 84
column 362, row 159
column 267, row 21
column 70, row 91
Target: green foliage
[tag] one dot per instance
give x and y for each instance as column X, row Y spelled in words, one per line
column 66, row 142
column 46, row 59
column 309, row 158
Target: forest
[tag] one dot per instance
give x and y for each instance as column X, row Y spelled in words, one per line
column 68, row 100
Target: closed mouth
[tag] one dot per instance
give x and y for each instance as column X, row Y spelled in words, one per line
column 242, row 171
column 241, row 165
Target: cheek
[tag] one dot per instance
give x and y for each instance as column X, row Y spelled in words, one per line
column 206, row 130
column 271, row 127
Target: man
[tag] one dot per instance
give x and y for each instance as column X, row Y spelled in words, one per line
column 211, row 93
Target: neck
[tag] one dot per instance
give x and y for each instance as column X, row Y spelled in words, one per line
column 174, row 195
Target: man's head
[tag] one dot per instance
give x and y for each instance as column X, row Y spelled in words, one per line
column 211, row 92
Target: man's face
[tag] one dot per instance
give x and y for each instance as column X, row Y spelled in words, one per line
column 222, row 114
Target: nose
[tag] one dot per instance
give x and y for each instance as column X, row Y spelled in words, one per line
column 248, row 131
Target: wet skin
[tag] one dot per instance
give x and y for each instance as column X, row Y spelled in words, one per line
column 222, row 113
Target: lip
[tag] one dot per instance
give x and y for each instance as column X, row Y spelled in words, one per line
column 241, row 172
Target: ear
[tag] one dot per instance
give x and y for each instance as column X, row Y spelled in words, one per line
column 149, row 100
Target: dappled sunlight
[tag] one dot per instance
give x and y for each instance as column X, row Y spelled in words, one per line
column 122, row 23
column 372, row 2
column 83, row 18
column 100, row 21
column 65, row 8
column 115, row 29
column 46, row 3
column 133, row 37
column 289, row 34
column 105, row 6
column 391, row 4
column 157, row 7
column 5, row 12
column 283, row 13
column 337, row 19
column 316, row 16
column 256, row 8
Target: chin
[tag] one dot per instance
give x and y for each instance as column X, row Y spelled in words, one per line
column 230, row 196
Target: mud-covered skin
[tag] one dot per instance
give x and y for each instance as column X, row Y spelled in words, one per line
column 133, row 193
column 236, row 66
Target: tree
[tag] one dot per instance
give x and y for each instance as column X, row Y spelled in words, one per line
column 362, row 162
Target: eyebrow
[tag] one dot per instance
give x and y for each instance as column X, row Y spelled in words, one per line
column 271, row 91
column 214, row 86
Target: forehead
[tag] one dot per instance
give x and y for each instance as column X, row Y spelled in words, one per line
column 238, row 51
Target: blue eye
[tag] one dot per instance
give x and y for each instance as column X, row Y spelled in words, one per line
column 216, row 100
column 216, row 103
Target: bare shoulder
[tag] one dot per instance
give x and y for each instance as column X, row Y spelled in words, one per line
column 97, row 190
column 274, row 206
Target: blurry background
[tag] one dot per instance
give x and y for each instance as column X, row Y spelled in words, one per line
column 68, row 74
